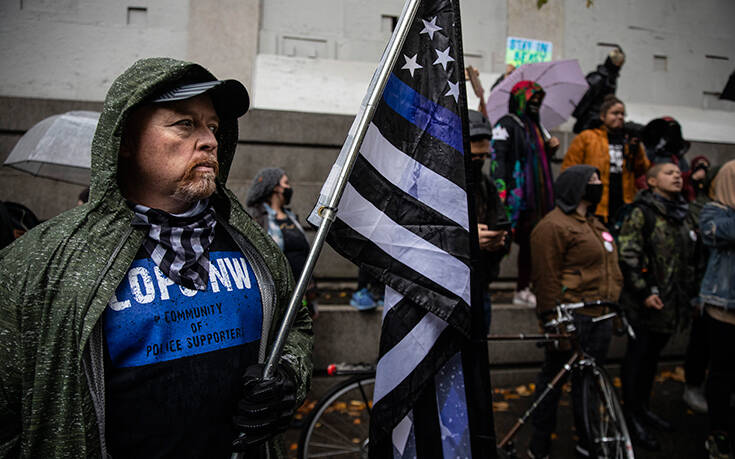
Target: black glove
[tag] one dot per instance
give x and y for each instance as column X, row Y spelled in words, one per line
column 266, row 406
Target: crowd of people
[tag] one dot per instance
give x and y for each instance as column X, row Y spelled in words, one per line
column 629, row 221
column 171, row 249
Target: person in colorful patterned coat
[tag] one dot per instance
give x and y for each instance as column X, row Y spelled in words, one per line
column 520, row 166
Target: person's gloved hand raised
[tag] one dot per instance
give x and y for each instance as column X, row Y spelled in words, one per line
column 266, row 406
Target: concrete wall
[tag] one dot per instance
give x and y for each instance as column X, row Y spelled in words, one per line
column 682, row 33
column 73, row 49
column 355, row 30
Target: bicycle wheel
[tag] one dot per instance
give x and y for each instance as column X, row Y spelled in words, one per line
column 607, row 433
column 339, row 423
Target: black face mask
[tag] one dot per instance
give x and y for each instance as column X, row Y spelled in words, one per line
column 593, row 193
column 287, row 193
column 533, row 107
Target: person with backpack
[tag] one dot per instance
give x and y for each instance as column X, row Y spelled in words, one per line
column 574, row 259
column 657, row 248
column 717, row 225
column 620, row 158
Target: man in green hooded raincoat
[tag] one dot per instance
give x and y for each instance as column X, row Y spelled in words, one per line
column 137, row 324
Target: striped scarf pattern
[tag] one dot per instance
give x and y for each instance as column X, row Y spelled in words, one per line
column 179, row 243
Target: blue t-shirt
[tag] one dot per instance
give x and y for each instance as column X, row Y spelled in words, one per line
column 175, row 357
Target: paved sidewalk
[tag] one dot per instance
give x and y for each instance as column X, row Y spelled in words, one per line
column 686, row 442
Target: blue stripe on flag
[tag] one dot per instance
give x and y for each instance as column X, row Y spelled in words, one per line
column 438, row 121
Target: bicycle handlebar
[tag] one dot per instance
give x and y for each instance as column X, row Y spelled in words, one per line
column 564, row 310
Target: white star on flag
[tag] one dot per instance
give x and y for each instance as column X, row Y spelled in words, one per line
column 411, row 64
column 443, row 58
column 430, row 27
column 453, row 91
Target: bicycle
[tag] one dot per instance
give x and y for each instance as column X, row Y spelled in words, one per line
column 338, row 425
column 333, row 429
column 604, row 422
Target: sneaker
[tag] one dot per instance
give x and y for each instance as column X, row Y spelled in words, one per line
column 524, row 298
column 718, row 446
column 363, row 300
column 694, row 397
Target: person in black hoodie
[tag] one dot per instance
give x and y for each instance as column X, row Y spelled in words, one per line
column 492, row 224
column 602, row 81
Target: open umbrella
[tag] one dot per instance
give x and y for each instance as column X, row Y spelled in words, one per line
column 59, row 147
column 563, row 82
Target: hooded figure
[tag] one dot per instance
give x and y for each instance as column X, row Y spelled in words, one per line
column 573, row 259
column 521, row 169
column 665, row 143
column 59, row 287
column 602, row 82
column 573, row 255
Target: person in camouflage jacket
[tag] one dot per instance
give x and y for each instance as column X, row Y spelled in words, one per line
column 58, row 279
column 656, row 246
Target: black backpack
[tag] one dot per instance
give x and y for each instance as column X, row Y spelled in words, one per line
column 15, row 220
column 622, row 214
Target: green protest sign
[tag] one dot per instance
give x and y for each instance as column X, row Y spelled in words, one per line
column 521, row 51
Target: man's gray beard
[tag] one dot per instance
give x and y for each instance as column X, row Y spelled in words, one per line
column 195, row 190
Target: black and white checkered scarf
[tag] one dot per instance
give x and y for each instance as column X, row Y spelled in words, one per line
column 179, row 243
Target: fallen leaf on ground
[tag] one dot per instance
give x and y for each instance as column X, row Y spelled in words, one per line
column 500, row 406
column 523, row 391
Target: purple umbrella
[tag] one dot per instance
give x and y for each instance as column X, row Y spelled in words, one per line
column 563, row 82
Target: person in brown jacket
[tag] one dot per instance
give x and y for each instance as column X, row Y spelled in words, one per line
column 619, row 158
column 574, row 258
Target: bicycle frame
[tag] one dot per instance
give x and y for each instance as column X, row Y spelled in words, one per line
column 563, row 318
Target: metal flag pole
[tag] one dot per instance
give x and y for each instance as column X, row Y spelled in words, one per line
column 329, row 212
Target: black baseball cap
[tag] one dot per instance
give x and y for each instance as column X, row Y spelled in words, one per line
column 479, row 126
column 230, row 98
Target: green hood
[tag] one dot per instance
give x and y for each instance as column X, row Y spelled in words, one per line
column 139, row 83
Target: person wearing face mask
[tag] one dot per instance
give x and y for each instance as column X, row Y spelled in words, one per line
column 619, row 158
column 657, row 245
column 574, row 259
column 520, row 166
column 267, row 202
column 492, row 224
